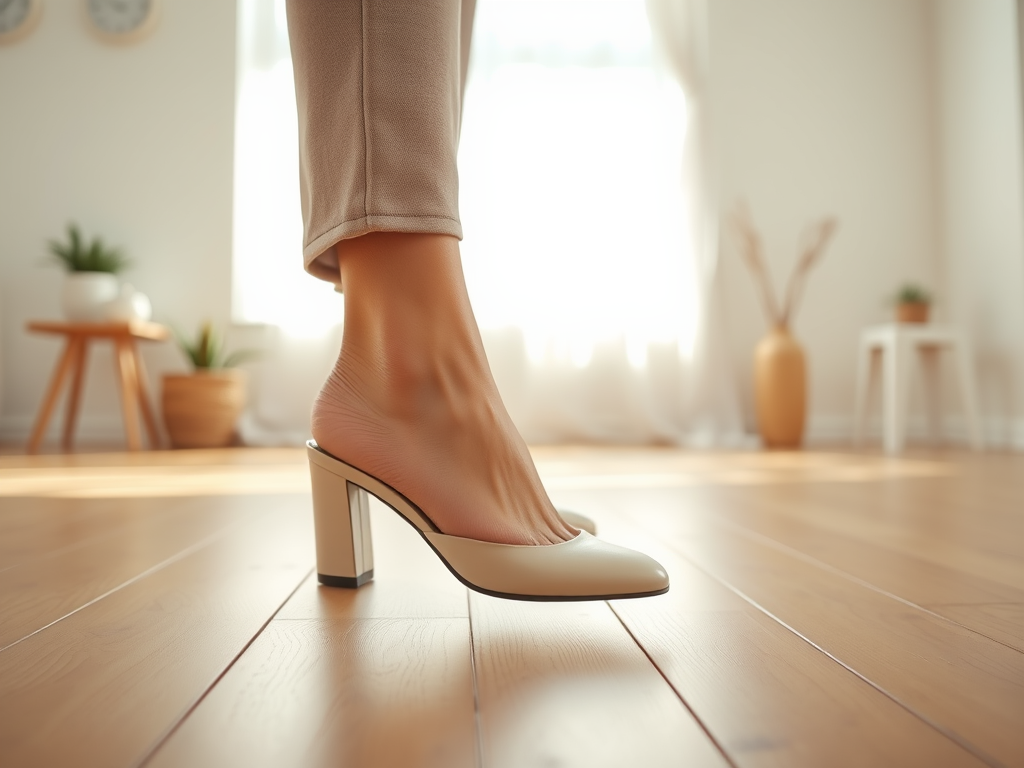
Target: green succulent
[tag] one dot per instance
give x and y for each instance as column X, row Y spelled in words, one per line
column 75, row 255
column 912, row 293
column 208, row 352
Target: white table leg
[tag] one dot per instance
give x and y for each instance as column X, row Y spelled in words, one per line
column 933, row 391
column 964, row 361
column 897, row 389
column 865, row 371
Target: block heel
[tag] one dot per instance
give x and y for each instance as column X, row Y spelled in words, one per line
column 341, row 518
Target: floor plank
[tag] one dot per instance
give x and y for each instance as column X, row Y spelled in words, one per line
column 338, row 693
column 410, row 582
column 565, row 684
column 112, row 552
column 104, row 685
column 766, row 695
column 910, row 577
column 1003, row 622
column 376, row 676
column 35, row 528
column 885, row 561
column 931, row 520
column 967, row 685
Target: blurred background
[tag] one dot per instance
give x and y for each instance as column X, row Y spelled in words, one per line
column 604, row 144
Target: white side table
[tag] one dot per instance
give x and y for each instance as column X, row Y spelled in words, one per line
column 894, row 345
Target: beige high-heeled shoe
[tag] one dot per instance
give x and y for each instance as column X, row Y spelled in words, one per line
column 583, row 568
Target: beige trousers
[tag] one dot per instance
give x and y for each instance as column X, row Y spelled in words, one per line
column 378, row 85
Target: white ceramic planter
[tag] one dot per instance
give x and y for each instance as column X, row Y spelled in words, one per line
column 85, row 295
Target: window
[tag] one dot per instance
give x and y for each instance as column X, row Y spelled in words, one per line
column 570, row 176
column 269, row 283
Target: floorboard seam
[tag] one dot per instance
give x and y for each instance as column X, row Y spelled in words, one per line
column 476, row 692
column 952, row 735
column 678, row 693
column 810, row 560
column 187, row 552
column 161, row 740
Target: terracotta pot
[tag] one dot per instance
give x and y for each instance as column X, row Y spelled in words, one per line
column 780, row 389
column 201, row 409
column 912, row 312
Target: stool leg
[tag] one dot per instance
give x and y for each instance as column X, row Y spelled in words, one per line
column 50, row 400
column 147, row 410
column 75, row 397
column 961, row 351
column 897, row 387
column 930, row 366
column 865, row 371
column 129, row 392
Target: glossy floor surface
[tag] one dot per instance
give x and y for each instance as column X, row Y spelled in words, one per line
column 827, row 609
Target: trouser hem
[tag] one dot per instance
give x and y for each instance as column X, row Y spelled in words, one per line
column 321, row 258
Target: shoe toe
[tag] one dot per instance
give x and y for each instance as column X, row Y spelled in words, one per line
column 582, row 568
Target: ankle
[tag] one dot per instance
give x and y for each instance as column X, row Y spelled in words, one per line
column 409, row 326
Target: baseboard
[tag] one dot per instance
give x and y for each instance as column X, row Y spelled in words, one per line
column 17, row 428
column 838, row 430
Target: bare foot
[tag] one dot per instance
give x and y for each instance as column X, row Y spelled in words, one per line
column 412, row 401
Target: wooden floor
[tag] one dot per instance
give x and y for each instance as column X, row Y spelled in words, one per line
column 827, row 609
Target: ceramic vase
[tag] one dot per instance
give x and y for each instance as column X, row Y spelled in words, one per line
column 201, row 410
column 85, row 295
column 780, row 389
column 128, row 305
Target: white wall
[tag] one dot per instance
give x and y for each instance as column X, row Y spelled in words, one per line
column 825, row 107
column 134, row 143
column 979, row 155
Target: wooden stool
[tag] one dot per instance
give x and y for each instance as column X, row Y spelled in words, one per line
column 894, row 343
column 134, row 396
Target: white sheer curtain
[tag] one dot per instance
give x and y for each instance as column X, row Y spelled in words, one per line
column 269, row 283
column 293, row 318
column 588, row 247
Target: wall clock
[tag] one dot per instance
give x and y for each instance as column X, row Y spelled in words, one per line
column 121, row 21
column 18, row 18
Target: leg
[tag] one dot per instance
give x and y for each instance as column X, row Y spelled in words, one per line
column 63, row 367
column 129, row 388
column 81, row 354
column 933, row 390
column 961, row 352
column 897, row 387
column 143, row 395
column 412, row 401
column 865, row 368
column 377, row 85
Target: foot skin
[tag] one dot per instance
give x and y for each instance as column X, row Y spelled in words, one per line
column 412, row 401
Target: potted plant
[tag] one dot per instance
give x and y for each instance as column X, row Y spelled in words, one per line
column 912, row 304
column 91, row 280
column 201, row 409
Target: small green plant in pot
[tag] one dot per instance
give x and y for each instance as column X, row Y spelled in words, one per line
column 912, row 304
column 91, row 269
column 201, row 409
